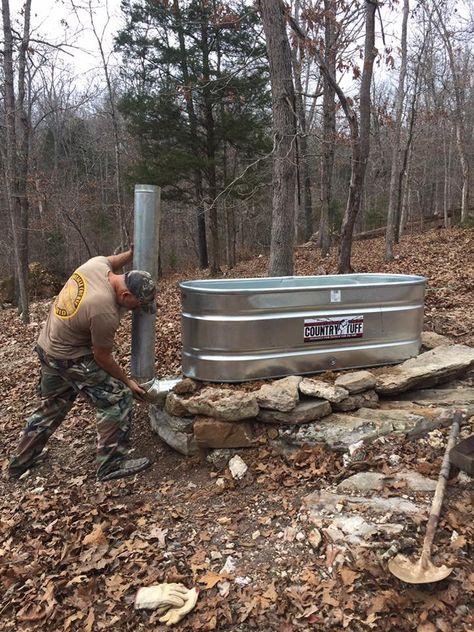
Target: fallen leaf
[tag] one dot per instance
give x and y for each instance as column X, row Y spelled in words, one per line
column 459, row 542
column 210, row 579
column 96, row 536
column 348, row 576
column 89, row 621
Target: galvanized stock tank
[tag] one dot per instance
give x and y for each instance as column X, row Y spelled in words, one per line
column 242, row 329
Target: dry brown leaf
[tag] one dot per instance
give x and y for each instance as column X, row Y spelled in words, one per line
column 328, row 599
column 309, row 577
column 33, row 612
column 96, row 536
column 198, row 561
column 348, row 576
column 76, row 616
column 210, row 579
column 271, row 594
column 89, row 621
column 459, row 542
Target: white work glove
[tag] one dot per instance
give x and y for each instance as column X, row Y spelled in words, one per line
column 162, row 596
column 174, row 615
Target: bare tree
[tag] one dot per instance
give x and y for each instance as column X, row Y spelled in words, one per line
column 304, row 224
column 458, row 78
column 396, row 142
column 359, row 131
column 17, row 130
column 360, row 140
column 99, row 36
column 329, row 122
column 284, row 128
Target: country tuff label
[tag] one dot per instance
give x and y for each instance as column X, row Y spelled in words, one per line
column 333, row 328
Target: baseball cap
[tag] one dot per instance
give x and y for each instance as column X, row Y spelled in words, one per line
column 142, row 286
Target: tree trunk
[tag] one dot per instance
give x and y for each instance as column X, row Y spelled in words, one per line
column 395, row 169
column 458, row 82
column 360, row 142
column 329, row 125
column 283, row 98
column 210, row 144
column 16, row 150
column 304, row 223
column 194, row 143
column 124, row 236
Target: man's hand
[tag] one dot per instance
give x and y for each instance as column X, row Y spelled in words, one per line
column 104, row 358
column 118, row 261
column 137, row 390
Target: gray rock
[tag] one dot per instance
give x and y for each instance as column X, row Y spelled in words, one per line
column 368, row 399
column 185, row 386
column 323, row 501
column 441, row 396
column 214, row 433
column 220, row 457
column 337, row 431
column 353, row 528
column 362, row 482
column 428, row 369
column 372, row 481
column 406, row 422
column 280, row 395
column 323, row 390
column 174, row 405
column 302, row 413
column 223, row 403
column 177, row 432
column 431, row 340
column 356, row 382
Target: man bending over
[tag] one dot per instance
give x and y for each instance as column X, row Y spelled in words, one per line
column 75, row 350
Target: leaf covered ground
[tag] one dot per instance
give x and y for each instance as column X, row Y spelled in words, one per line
column 73, row 552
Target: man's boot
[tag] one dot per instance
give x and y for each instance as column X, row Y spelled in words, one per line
column 128, row 467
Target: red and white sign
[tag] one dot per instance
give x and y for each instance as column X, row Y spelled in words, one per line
column 333, row 328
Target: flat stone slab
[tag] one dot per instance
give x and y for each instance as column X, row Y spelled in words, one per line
column 339, row 431
column 303, row 412
column 356, row 382
column 376, row 481
column 177, row 432
column 406, row 422
column 428, row 369
column 320, row 502
column 441, row 396
column 215, row 433
column 367, row 399
column 323, row 390
column 221, row 403
column 280, row 395
column 353, row 528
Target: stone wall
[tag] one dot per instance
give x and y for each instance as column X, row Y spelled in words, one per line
column 355, row 406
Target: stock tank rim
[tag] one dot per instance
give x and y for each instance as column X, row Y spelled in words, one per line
column 291, row 283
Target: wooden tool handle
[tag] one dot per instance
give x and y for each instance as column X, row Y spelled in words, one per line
column 440, row 488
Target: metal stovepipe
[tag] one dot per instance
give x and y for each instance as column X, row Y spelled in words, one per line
column 145, row 257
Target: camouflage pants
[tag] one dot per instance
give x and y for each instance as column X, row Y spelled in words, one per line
column 59, row 386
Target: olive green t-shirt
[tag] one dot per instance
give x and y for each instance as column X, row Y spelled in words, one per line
column 84, row 314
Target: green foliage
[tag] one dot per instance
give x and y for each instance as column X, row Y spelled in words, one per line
column 196, row 90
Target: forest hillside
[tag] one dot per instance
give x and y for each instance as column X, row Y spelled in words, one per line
column 74, row 552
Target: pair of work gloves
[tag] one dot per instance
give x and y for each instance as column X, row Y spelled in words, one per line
column 171, row 601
